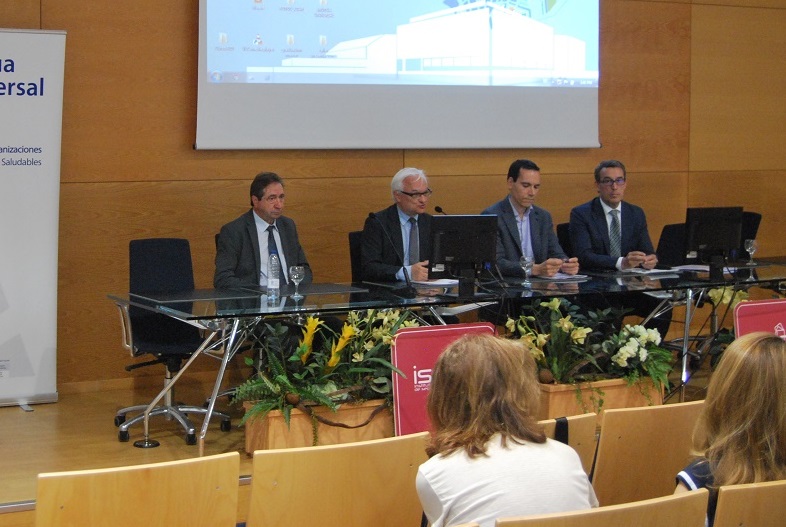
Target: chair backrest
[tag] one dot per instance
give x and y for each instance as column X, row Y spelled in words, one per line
column 160, row 265
column 641, row 450
column 191, row 492
column 364, row 483
column 687, row 509
column 671, row 245
column 355, row 261
column 563, row 237
column 759, row 504
column 582, row 436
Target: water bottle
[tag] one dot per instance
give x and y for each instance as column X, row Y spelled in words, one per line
column 273, row 272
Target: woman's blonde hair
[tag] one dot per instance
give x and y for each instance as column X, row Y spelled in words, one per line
column 481, row 386
column 742, row 428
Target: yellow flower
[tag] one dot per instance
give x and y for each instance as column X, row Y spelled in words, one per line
column 565, row 324
column 553, row 304
column 312, row 323
column 347, row 332
column 579, row 334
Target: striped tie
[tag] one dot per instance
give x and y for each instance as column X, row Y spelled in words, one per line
column 615, row 242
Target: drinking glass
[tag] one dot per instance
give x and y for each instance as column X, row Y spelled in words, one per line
column 297, row 273
column 751, row 246
column 526, row 263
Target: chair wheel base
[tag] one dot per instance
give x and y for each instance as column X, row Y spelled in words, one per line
column 226, row 425
column 123, row 437
column 120, row 419
column 146, row 443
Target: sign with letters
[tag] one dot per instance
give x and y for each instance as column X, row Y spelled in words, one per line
column 414, row 352
column 31, row 108
column 760, row 315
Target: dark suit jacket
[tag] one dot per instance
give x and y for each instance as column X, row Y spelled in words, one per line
column 237, row 251
column 381, row 259
column 544, row 240
column 589, row 234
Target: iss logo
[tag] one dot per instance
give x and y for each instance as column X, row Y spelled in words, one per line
column 421, row 379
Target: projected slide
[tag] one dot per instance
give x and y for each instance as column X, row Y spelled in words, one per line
column 403, row 42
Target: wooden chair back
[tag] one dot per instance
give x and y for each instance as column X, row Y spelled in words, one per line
column 338, row 485
column 759, row 504
column 641, row 450
column 686, row 510
column 582, row 436
column 191, row 492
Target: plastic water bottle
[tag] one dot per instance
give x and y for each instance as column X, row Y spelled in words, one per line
column 273, row 272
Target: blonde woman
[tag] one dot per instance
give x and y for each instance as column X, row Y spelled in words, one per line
column 741, row 433
column 490, row 458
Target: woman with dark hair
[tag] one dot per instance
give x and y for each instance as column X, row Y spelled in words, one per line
column 490, row 458
column 740, row 436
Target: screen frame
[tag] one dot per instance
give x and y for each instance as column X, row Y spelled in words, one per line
column 713, row 231
column 462, row 242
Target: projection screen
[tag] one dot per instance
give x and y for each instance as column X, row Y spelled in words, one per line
column 307, row 74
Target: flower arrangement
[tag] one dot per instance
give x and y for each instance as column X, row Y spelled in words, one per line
column 571, row 346
column 323, row 366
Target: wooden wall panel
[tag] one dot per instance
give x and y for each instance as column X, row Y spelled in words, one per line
column 129, row 169
column 738, row 81
column 20, row 14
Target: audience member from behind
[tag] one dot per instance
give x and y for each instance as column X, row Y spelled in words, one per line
column 490, row 457
column 741, row 432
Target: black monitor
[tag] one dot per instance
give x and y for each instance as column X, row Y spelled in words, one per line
column 712, row 235
column 462, row 245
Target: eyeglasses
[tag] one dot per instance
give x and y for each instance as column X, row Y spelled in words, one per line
column 607, row 182
column 417, row 195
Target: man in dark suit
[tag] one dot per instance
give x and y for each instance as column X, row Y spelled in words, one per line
column 523, row 228
column 242, row 247
column 609, row 234
column 399, row 237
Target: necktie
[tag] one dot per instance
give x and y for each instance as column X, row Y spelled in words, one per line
column 272, row 248
column 414, row 242
column 615, row 240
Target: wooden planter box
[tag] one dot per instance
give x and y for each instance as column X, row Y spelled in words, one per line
column 560, row 400
column 270, row 432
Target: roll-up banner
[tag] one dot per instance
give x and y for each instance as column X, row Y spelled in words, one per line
column 31, row 110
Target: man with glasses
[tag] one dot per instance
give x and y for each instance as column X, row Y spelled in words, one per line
column 244, row 245
column 526, row 230
column 610, row 234
column 398, row 239
column 607, row 233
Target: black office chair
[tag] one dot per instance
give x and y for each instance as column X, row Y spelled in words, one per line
column 156, row 266
column 671, row 249
column 563, row 237
column 355, row 248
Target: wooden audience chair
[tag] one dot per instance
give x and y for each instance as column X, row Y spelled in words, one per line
column 193, row 492
column 582, row 436
column 754, row 504
column 338, row 485
column 641, row 450
column 686, row 510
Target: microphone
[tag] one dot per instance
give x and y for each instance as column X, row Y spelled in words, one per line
column 407, row 291
column 439, row 210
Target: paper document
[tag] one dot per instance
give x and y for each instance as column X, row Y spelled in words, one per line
column 639, row 270
column 563, row 276
column 441, row 282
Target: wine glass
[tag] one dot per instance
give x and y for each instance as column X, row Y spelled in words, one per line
column 751, row 246
column 526, row 263
column 297, row 273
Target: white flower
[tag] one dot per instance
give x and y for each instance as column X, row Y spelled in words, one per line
column 653, row 336
column 643, row 354
column 620, row 359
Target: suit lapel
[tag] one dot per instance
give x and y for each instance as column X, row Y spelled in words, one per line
column 599, row 219
column 251, row 229
column 509, row 220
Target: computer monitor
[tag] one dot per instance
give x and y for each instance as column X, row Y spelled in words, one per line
column 712, row 235
column 462, row 245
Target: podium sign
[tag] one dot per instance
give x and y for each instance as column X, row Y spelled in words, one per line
column 760, row 315
column 414, row 351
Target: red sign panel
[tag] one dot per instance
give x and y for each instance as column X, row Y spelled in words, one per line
column 414, row 352
column 761, row 315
